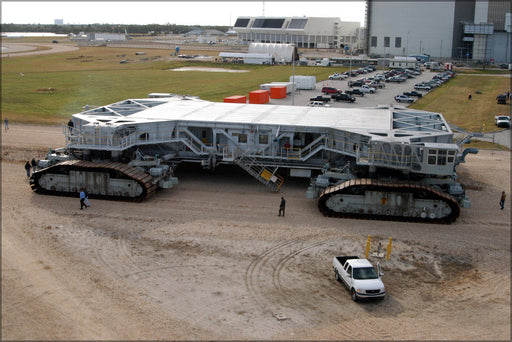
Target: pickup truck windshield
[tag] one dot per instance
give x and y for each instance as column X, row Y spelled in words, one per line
column 365, row 273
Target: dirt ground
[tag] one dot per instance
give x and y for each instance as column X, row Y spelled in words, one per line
column 210, row 259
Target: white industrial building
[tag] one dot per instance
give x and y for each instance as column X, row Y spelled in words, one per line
column 304, row 32
column 477, row 30
column 263, row 53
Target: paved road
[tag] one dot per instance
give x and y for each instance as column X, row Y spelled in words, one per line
column 502, row 137
column 24, row 49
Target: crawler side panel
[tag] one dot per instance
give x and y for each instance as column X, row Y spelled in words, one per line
column 103, row 180
column 373, row 199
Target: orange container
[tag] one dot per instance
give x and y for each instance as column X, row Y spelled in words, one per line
column 236, row 99
column 278, row 92
column 259, row 96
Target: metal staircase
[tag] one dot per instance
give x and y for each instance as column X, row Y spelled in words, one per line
column 262, row 174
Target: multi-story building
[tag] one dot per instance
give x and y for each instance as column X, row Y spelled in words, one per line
column 304, row 32
column 476, row 30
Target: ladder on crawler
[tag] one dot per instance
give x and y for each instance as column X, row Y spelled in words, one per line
column 262, row 174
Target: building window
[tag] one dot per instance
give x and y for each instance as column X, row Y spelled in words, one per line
column 386, row 41
column 374, row 41
column 263, row 139
column 398, row 42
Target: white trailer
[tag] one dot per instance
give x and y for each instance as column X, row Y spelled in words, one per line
column 304, row 82
column 290, row 86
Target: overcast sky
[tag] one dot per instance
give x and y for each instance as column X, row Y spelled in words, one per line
column 221, row 13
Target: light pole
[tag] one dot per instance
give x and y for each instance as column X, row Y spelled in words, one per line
column 293, row 75
column 350, row 68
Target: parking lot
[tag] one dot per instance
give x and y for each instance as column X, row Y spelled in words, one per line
column 384, row 96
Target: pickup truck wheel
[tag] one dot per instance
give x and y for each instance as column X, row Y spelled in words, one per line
column 337, row 275
column 353, row 294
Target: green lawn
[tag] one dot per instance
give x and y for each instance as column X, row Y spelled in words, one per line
column 477, row 114
column 95, row 76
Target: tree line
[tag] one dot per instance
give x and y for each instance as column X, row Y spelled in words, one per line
column 110, row 28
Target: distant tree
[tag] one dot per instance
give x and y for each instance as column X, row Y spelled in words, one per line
column 116, row 28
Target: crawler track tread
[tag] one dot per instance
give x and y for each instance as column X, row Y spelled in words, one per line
column 145, row 180
column 345, row 187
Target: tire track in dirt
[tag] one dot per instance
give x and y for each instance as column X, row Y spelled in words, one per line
column 254, row 270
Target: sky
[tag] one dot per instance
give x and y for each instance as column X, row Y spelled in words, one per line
column 217, row 13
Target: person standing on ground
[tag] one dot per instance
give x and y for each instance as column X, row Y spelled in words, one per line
column 502, row 200
column 34, row 164
column 28, row 167
column 282, row 206
column 469, row 96
column 6, row 122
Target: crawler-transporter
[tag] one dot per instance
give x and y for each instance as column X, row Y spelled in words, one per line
column 382, row 163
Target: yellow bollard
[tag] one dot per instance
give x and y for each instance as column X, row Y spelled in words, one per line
column 389, row 248
column 368, row 243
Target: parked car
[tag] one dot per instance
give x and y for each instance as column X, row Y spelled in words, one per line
column 501, row 99
column 354, row 92
column 356, row 83
column 403, row 98
column 413, row 93
column 502, row 121
column 360, row 277
column 365, row 89
column 343, row 97
column 330, row 90
column 377, row 84
column 337, row 76
column 317, row 104
column 421, row 86
column 396, row 79
column 320, row 98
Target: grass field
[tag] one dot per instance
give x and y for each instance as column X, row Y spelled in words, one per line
column 47, row 89
column 474, row 115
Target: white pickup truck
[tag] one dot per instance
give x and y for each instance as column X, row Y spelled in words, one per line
column 359, row 276
column 367, row 89
column 502, row 121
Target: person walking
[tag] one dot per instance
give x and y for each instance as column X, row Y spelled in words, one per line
column 282, row 206
column 82, row 199
column 502, row 200
column 6, row 122
column 34, row 164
